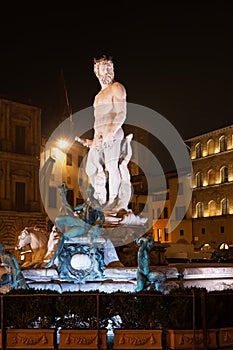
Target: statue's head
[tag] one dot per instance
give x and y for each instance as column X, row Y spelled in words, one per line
column 104, row 70
column 145, row 242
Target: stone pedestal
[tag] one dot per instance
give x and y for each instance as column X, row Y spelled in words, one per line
column 81, row 260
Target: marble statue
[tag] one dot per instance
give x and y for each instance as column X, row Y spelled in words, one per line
column 109, row 180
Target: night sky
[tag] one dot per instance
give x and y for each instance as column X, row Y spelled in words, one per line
column 176, row 58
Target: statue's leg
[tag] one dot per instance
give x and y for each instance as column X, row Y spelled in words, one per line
column 60, row 222
column 141, row 281
column 125, row 193
column 95, row 231
column 112, row 155
column 64, row 221
column 100, row 186
column 114, row 181
column 91, row 169
column 77, row 231
column 95, row 172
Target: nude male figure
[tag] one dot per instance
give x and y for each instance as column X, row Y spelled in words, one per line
column 105, row 148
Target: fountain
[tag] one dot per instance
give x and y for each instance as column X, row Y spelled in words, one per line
column 80, row 253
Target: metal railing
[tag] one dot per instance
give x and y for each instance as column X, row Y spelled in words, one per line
column 195, row 309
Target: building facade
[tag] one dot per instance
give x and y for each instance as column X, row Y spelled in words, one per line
column 172, row 213
column 212, row 200
column 209, row 217
column 20, row 140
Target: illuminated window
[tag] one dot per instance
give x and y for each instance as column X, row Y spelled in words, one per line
column 210, row 146
column 225, row 206
column 223, row 245
column 224, row 174
column 212, row 208
column 198, row 149
column 200, row 210
column 211, row 177
column 159, row 234
column 222, row 143
column 199, row 179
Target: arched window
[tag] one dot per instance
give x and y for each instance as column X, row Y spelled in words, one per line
column 199, row 179
column 212, row 208
column 210, row 146
column 198, row 150
column 224, row 174
column 211, row 177
column 200, row 209
column 225, row 206
column 222, row 143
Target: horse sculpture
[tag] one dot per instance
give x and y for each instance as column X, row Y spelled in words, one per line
column 37, row 239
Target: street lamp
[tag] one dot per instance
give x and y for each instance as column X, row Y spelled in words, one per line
column 63, row 144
